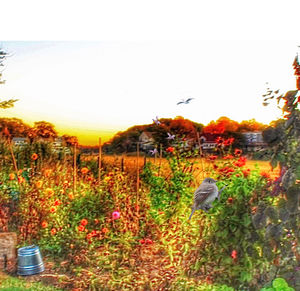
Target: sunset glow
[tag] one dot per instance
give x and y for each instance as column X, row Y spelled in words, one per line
column 95, row 89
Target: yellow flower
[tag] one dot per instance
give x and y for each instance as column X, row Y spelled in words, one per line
column 47, row 172
column 39, row 184
column 84, row 170
column 106, row 179
column 49, row 192
column 71, row 196
column 12, row 176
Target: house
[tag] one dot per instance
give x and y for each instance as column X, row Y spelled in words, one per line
column 146, row 140
column 19, row 141
column 208, row 143
column 253, row 141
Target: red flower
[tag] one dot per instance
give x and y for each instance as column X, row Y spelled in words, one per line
column 265, row 175
column 148, row 241
column 170, row 149
column 89, row 236
column 52, row 209
column 238, row 152
column 212, row 157
column 57, row 202
column 234, row 254
column 105, row 230
column 219, row 140
column 142, row 241
column 44, row 224
column 246, row 173
column 228, row 157
column 83, row 222
column 230, row 200
column 241, row 162
column 228, row 141
column 34, row 156
column 80, row 228
column 53, row 231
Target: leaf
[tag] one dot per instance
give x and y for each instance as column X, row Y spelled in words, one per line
column 245, row 276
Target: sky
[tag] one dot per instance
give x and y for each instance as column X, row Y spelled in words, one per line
column 94, row 85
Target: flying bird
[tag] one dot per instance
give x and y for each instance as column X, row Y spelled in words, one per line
column 156, row 121
column 187, row 101
column 153, row 152
column 170, row 136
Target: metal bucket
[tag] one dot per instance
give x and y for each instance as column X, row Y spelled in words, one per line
column 30, row 261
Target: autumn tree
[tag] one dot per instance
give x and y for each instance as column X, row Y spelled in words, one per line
column 44, row 129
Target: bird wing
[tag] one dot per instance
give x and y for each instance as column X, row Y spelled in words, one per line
column 201, row 194
column 179, row 102
column 189, row 99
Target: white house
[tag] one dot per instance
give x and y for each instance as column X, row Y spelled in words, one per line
column 146, row 140
column 254, row 141
column 19, row 141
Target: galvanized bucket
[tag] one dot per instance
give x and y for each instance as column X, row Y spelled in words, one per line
column 30, row 261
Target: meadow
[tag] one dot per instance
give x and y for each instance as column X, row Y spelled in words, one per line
column 130, row 230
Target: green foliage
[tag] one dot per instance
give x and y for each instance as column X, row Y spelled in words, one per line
column 15, row 284
column 278, row 284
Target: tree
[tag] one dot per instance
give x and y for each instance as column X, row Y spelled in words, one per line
column 44, row 129
column 7, row 103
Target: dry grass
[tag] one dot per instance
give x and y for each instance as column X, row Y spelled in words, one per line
column 202, row 167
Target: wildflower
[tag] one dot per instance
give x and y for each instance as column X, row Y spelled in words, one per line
column 52, row 209
column 265, row 175
column 156, row 121
column 53, row 231
column 47, row 172
column 212, row 157
column 34, row 156
column 80, row 228
column 44, row 224
column 84, row 170
column 89, row 236
column 84, row 222
column 12, row 176
column 71, row 196
column 170, row 150
column 246, row 173
column 93, row 233
column 115, row 215
column 21, row 179
column 148, row 241
column 228, row 157
column 49, row 191
column 241, row 162
column 228, row 141
column 230, row 200
column 57, row 202
column 142, row 241
column 105, row 230
column 219, row 140
column 39, row 184
column 170, row 136
column 234, row 254
column 238, row 152
column 96, row 221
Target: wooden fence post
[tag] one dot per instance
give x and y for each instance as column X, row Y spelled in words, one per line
column 99, row 161
column 74, row 170
column 160, row 156
column 15, row 163
column 200, row 151
column 137, row 167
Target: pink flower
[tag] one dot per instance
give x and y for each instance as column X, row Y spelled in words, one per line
column 116, row 215
column 234, row 254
